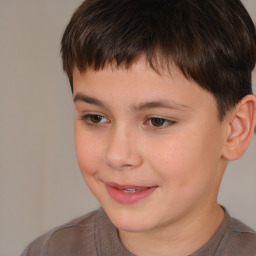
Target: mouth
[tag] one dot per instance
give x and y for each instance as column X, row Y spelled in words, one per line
column 132, row 190
column 128, row 194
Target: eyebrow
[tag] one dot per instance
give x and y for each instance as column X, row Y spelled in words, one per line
column 89, row 100
column 171, row 104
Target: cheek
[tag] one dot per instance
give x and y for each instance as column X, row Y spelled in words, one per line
column 186, row 178
column 183, row 162
column 87, row 152
column 169, row 159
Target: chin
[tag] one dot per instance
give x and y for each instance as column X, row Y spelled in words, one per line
column 132, row 227
column 130, row 222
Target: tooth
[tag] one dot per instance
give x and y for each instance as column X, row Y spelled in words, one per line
column 130, row 190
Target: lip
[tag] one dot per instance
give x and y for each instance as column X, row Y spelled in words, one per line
column 116, row 191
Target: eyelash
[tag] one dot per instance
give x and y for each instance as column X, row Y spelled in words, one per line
column 87, row 118
column 165, row 122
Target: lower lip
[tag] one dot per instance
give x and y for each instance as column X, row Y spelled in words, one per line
column 129, row 198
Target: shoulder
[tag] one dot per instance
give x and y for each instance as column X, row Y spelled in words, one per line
column 243, row 234
column 73, row 238
column 239, row 239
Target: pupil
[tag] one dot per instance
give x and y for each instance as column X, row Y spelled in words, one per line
column 157, row 121
column 96, row 118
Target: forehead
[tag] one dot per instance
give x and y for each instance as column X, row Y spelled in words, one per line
column 139, row 71
column 140, row 83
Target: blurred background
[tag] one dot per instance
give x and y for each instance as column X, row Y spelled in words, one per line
column 40, row 183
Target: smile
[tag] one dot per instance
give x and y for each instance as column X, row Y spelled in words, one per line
column 128, row 194
column 130, row 190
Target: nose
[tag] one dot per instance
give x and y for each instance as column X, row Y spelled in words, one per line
column 122, row 151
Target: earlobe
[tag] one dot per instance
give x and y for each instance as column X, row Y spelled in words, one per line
column 240, row 128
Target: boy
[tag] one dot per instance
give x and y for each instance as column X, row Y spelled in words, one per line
column 163, row 99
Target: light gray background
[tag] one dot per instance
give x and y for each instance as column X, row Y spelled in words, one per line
column 40, row 183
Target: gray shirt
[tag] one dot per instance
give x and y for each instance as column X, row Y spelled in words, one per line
column 95, row 235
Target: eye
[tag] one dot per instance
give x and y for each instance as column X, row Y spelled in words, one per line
column 160, row 122
column 94, row 119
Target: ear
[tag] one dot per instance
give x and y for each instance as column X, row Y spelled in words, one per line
column 241, row 124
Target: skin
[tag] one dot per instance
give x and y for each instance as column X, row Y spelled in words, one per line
column 117, row 140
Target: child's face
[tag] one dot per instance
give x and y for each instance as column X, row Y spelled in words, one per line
column 149, row 146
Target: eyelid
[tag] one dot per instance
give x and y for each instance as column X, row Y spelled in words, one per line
column 85, row 118
column 168, row 120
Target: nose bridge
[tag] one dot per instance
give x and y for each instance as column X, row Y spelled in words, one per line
column 122, row 149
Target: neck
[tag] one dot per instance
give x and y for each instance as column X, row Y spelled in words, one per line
column 181, row 238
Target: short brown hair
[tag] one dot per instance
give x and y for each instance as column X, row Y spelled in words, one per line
column 212, row 42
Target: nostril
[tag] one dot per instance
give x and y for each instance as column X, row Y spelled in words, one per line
column 118, row 164
column 125, row 160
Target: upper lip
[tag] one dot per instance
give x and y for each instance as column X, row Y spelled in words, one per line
column 126, row 186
